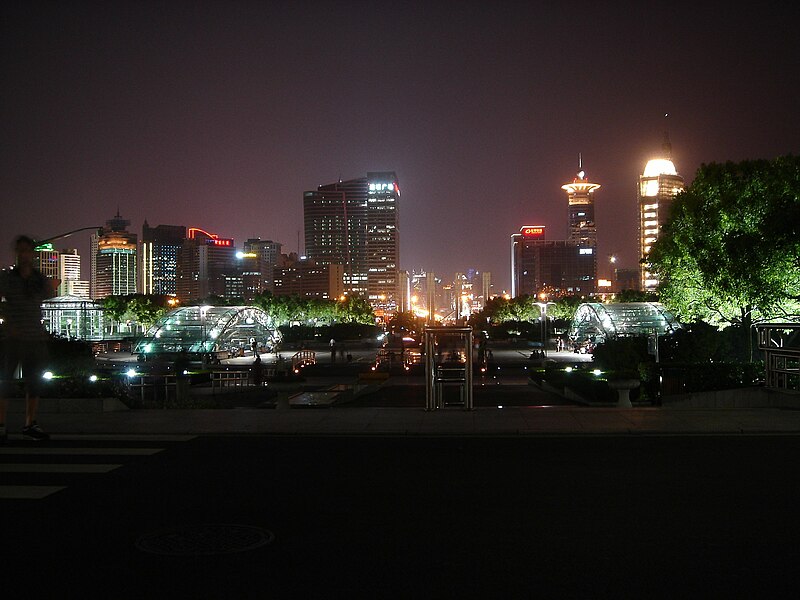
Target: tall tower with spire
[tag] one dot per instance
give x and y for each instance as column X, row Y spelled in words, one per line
column 113, row 260
column 582, row 228
column 658, row 186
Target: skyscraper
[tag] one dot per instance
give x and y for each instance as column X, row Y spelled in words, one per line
column 582, row 228
column 207, row 266
column 69, row 272
column 45, row 259
column 113, row 260
column 556, row 267
column 158, row 253
column 267, row 254
column 658, row 186
column 354, row 223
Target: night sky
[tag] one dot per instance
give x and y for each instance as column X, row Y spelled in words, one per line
column 220, row 114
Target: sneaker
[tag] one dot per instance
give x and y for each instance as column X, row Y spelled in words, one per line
column 34, row 432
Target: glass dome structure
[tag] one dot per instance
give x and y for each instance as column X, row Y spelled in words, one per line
column 595, row 322
column 202, row 329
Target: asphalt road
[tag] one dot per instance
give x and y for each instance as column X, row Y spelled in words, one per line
column 439, row 517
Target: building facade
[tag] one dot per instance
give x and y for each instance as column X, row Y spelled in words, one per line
column 307, row 279
column 658, row 186
column 582, row 230
column 355, row 223
column 45, row 259
column 114, row 260
column 69, row 272
column 261, row 257
column 158, row 256
column 207, row 266
column 558, row 267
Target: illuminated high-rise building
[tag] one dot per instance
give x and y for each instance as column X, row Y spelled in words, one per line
column 45, row 259
column 158, row 256
column 658, row 186
column 69, row 272
column 113, row 260
column 207, row 266
column 582, row 229
column 558, row 267
column 260, row 259
column 354, row 223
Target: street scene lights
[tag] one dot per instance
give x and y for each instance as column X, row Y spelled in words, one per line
column 543, row 317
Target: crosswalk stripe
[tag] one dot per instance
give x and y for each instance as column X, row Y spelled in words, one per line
column 43, row 450
column 55, row 468
column 43, row 470
column 28, row 492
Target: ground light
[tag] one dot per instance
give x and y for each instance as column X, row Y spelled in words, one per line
column 568, row 369
column 597, row 372
column 47, row 375
column 93, row 378
column 131, row 373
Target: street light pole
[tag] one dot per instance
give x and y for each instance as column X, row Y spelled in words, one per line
column 543, row 316
column 63, row 235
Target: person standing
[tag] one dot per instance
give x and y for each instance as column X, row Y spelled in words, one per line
column 24, row 288
column 332, row 344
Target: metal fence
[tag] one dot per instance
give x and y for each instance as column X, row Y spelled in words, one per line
column 780, row 343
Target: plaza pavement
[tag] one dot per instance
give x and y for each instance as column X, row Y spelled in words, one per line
column 545, row 415
column 508, row 421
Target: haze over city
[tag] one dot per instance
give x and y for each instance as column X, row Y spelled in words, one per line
column 221, row 114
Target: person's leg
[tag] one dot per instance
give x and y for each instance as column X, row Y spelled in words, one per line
column 31, row 407
column 34, row 362
column 6, row 376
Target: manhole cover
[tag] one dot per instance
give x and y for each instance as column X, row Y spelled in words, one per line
column 200, row 540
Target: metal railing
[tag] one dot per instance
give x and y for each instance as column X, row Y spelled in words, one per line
column 303, row 358
column 230, row 378
column 781, row 345
column 161, row 387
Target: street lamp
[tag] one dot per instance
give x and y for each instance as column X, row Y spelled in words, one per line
column 543, row 317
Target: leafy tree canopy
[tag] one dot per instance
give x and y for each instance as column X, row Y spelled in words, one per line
column 730, row 252
column 289, row 309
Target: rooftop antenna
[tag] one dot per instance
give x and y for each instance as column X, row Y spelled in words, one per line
column 666, row 146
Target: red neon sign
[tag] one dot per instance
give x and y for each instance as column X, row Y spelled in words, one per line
column 212, row 238
column 532, row 231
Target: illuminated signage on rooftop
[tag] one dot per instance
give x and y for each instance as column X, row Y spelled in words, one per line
column 211, row 239
column 532, row 231
column 381, row 187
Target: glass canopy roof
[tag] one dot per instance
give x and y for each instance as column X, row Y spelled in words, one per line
column 201, row 329
column 595, row 322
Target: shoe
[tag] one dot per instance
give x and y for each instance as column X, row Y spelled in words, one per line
column 34, row 432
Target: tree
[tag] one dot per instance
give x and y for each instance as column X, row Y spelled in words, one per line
column 730, row 251
column 406, row 321
column 146, row 309
column 635, row 296
column 114, row 309
column 354, row 309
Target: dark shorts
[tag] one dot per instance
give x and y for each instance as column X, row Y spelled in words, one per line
column 31, row 356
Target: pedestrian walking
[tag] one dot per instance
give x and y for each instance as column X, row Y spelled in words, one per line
column 332, row 344
column 25, row 340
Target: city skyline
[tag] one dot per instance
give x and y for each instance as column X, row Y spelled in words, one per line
column 220, row 115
